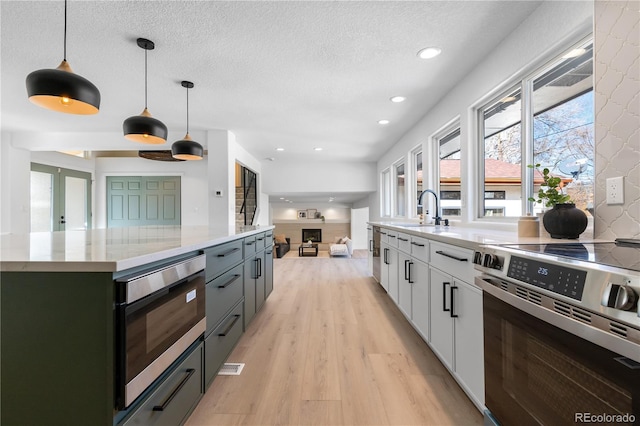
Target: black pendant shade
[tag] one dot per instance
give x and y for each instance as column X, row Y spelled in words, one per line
column 61, row 89
column 187, row 148
column 144, row 128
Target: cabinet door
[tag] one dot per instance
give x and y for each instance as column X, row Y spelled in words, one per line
column 420, row 298
column 392, row 289
column 250, row 276
column 469, row 343
column 441, row 336
column 405, row 283
column 268, row 271
column 260, row 281
column 384, row 266
column 370, row 250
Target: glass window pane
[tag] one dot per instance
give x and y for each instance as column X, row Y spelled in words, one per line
column 503, row 155
column 450, row 181
column 386, row 193
column 75, row 203
column 400, row 190
column 563, row 125
column 41, row 202
column 418, row 177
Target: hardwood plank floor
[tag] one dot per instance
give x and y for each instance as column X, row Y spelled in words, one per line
column 330, row 348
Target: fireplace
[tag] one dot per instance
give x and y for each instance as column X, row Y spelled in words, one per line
column 315, row 235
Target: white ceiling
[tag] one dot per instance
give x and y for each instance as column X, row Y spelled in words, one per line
column 295, row 75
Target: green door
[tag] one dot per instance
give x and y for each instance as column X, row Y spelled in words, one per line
column 60, row 199
column 143, row 200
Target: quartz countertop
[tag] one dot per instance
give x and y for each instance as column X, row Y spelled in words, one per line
column 472, row 237
column 111, row 249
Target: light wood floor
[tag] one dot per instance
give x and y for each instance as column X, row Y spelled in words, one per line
column 329, row 347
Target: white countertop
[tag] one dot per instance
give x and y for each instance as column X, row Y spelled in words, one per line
column 108, row 250
column 472, row 237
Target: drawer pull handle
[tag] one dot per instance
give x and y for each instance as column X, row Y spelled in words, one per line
column 227, row 253
column 226, row 331
column 383, row 233
column 248, row 243
column 260, row 239
column 166, row 403
column 402, row 239
column 228, row 283
column 452, row 256
column 417, row 244
column 392, row 236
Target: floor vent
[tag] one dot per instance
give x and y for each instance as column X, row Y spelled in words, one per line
column 231, row 369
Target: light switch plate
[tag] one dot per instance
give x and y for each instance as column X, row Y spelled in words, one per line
column 615, row 190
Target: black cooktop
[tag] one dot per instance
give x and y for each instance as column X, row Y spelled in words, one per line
column 623, row 253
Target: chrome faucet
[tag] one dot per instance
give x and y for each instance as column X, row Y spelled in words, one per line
column 437, row 217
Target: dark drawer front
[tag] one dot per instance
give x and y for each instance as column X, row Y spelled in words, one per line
column 249, row 246
column 260, row 241
column 222, row 257
column 222, row 294
column 176, row 397
column 220, row 343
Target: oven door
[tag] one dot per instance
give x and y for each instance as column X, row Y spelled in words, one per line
column 538, row 374
column 154, row 331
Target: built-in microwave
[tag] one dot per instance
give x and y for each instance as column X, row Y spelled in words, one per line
column 159, row 314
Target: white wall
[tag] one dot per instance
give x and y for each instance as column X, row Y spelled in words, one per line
column 15, row 172
column 289, row 211
column 550, row 27
column 332, row 177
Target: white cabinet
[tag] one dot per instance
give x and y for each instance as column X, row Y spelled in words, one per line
column 370, row 250
column 456, row 318
column 420, row 298
column 392, row 266
column 384, row 266
column 405, row 284
column 441, row 338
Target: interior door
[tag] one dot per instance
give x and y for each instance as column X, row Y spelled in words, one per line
column 143, row 200
column 60, row 199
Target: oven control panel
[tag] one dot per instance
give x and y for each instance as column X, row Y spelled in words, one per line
column 563, row 280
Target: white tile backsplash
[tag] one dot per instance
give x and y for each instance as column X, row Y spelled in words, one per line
column 617, row 105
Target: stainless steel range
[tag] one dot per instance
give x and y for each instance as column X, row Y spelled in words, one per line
column 561, row 332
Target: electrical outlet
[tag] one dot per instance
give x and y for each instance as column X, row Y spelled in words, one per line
column 615, row 190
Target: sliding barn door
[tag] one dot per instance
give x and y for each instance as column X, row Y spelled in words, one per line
column 143, row 200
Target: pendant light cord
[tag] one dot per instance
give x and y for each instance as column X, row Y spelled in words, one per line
column 145, row 79
column 187, row 110
column 65, row 30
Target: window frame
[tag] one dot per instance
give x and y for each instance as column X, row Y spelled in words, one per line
column 525, row 83
column 450, row 127
column 394, row 187
column 386, row 199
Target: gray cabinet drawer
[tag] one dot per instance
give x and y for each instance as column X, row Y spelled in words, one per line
column 222, row 257
column 261, row 240
column 222, row 294
column 249, row 246
column 268, row 241
column 175, row 398
column 221, row 342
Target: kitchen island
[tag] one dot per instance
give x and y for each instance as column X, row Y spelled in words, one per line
column 58, row 311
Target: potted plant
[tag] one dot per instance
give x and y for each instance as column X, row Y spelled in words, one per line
column 563, row 220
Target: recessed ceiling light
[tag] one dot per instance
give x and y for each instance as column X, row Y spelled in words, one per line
column 279, row 149
column 317, row 149
column 282, row 198
column 397, row 99
column 429, row 52
column 575, row 53
column 383, row 122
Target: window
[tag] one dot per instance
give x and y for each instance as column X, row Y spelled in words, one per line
column 400, row 198
column 417, row 161
column 556, row 104
column 450, row 181
column 385, row 200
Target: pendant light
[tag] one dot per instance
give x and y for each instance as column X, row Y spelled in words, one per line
column 60, row 89
column 187, row 148
column 144, row 128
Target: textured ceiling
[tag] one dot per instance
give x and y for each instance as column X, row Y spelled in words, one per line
column 295, row 75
